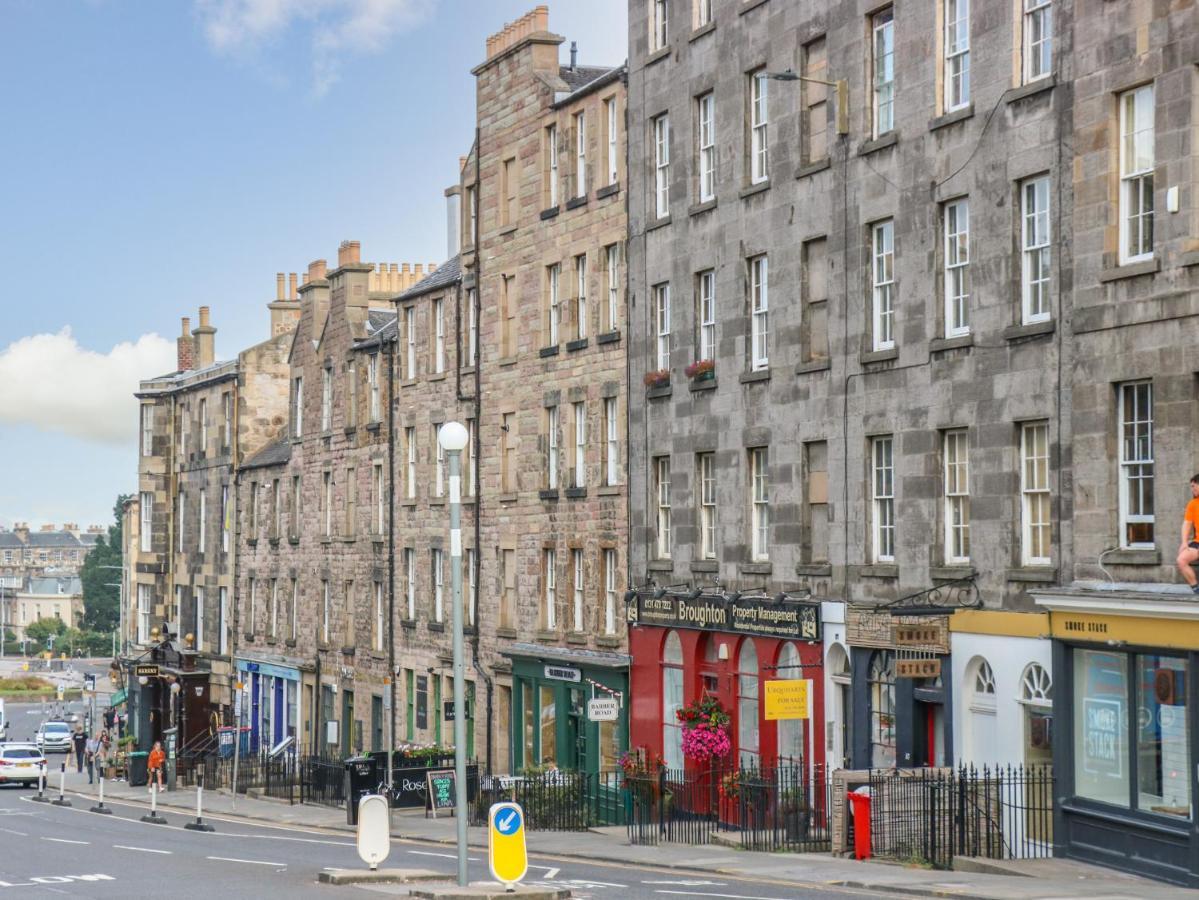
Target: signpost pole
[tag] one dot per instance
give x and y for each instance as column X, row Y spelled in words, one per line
column 453, row 438
column 238, row 687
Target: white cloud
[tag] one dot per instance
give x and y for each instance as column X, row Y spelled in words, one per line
column 244, row 27
column 50, row 382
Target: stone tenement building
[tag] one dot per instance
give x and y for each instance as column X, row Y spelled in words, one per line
column 544, row 203
column 47, row 551
column 196, row 425
column 884, row 311
column 315, row 541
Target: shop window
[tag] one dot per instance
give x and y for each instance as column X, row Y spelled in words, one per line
column 1163, row 754
column 747, row 704
column 790, row 731
column 672, row 700
column 882, row 710
column 527, row 711
column 549, row 725
column 1036, row 696
column 1101, row 726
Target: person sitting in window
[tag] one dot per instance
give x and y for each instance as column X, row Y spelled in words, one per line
column 1188, row 550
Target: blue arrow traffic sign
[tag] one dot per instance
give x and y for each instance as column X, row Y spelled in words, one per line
column 508, row 821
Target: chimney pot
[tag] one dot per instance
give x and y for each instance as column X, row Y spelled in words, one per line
column 291, row 286
column 279, row 287
column 574, row 55
column 349, row 252
column 203, row 316
column 187, row 327
column 316, row 270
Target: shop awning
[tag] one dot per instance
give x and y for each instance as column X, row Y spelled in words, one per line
column 566, row 654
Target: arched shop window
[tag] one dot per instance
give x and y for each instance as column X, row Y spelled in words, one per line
column 672, row 699
column 747, row 704
column 982, row 728
column 1036, row 696
column 882, row 709
column 790, row 731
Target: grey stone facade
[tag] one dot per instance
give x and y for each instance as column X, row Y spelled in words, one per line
column 831, row 384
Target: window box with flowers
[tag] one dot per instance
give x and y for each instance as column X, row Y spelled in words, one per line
column 701, row 370
column 658, row 378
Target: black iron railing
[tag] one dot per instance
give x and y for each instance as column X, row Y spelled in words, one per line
column 557, row 800
column 933, row 815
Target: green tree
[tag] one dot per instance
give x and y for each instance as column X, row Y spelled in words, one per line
column 101, row 595
column 43, row 628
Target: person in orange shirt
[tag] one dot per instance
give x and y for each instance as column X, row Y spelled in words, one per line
column 155, row 763
column 1188, row 550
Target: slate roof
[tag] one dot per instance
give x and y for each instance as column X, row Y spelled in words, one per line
column 8, row 539
column 270, row 455
column 53, row 539
column 377, row 319
column 584, row 79
column 48, row 586
column 447, row 273
column 88, row 538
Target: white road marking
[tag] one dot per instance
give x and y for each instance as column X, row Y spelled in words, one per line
column 550, row 873
column 444, row 855
column 732, row 896
column 64, row 841
column 141, row 849
column 690, row 883
column 253, row 862
column 17, row 833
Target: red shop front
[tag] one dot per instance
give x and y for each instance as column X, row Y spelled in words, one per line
column 685, row 647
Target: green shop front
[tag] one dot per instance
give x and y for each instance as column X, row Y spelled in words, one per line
column 555, row 721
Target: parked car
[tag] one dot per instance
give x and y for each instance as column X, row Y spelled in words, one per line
column 21, row 764
column 54, row 737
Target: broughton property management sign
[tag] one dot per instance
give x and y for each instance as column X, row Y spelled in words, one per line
column 765, row 618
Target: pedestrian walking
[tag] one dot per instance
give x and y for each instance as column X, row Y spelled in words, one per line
column 92, row 745
column 1188, row 549
column 79, row 742
column 155, row 763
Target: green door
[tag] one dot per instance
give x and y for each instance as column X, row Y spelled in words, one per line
column 347, row 723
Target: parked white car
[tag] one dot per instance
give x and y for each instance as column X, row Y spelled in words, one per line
column 21, row 764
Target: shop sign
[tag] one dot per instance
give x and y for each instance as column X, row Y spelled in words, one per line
column 563, row 673
column 604, row 709
column 761, row 617
column 147, row 671
column 1101, row 753
column 878, row 628
column 916, row 635
column 788, row 698
column 917, row 668
column 1173, row 633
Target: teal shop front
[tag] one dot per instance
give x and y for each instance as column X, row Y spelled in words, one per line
column 550, row 725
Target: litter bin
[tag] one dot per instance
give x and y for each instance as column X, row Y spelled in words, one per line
column 138, row 765
column 362, row 778
column 860, row 807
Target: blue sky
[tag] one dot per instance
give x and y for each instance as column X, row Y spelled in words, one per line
column 163, row 154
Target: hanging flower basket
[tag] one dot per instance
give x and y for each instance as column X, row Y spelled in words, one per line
column 701, row 370
column 659, row 378
column 705, row 730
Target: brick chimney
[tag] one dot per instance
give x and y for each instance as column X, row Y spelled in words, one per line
column 285, row 310
column 349, row 253
column 205, row 336
column 185, row 348
column 48, row 528
column 530, row 31
column 314, row 295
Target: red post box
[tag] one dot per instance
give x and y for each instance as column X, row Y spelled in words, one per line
column 860, row 804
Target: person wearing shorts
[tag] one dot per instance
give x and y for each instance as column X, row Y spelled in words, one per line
column 1188, row 550
column 155, row 763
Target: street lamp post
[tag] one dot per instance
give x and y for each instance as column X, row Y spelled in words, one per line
column 453, row 437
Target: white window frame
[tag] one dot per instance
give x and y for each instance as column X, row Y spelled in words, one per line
column 380, row 497
column 703, row 13
column 581, row 296
column 144, row 613
column 146, row 523
column 410, row 343
column 1038, row 40
column 352, row 392
column 327, row 399
column 551, row 448
column 274, row 630
column 551, row 140
column 295, row 608
column 661, row 166
column 202, row 533
column 662, row 323
column 372, row 370
column 1136, row 174
column 472, row 327
column 580, row 123
column 223, row 621
column 203, row 425
column 1036, row 253
column 957, row 54
column 662, row 491
column 327, row 495
column 438, row 566
column 410, row 480
column 883, row 71
column 553, row 277
column 707, row 314
column 325, row 611
column 198, row 635
column 706, row 149
column 611, row 443
column 297, row 400
column 706, row 476
column 472, row 587
column 579, row 409
column 438, row 464
column 612, row 256
column 148, row 430
column 613, row 136
column 181, row 520
column 225, row 518
column 956, row 456
column 1135, row 401
column 380, row 617
column 658, row 25
column 577, row 574
column 956, row 228
column 759, row 123
column 609, row 590
column 410, row 582
column 550, row 590
column 882, row 498
column 759, row 305
column 759, row 474
column 438, row 336
column 1034, row 490
column 882, row 307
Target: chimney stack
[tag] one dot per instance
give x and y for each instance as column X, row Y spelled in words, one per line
column 349, row 253
column 317, row 270
column 185, row 348
column 205, row 336
column 537, row 20
column 285, row 311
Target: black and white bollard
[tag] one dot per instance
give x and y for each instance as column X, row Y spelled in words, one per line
column 199, row 824
column 41, row 787
column 62, row 788
column 153, row 817
column 100, row 807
